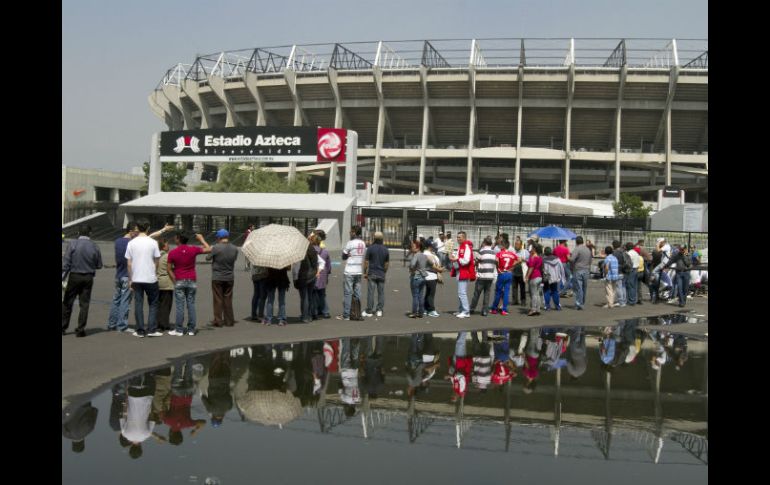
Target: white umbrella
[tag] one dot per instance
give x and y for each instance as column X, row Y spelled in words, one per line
column 275, row 246
column 269, row 407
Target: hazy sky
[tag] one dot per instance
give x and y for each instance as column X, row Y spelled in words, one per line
column 114, row 53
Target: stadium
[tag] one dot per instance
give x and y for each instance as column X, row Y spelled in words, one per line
column 571, row 118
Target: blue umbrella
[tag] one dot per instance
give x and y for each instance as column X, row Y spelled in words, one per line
column 553, row 232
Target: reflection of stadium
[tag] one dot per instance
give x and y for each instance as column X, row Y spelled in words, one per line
column 633, row 414
column 576, row 117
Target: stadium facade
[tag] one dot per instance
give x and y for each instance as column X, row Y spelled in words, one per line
column 576, row 118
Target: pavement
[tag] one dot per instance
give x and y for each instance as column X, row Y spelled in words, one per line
column 90, row 364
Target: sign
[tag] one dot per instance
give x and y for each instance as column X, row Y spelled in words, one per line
column 254, row 144
column 692, row 218
column 671, row 192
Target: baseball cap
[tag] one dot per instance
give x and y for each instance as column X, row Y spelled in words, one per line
column 660, row 240
column 222, row 233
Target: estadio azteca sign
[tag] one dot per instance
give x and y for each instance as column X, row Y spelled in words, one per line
column 254, row 144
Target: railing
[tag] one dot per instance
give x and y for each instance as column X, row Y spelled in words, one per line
column 487, row 54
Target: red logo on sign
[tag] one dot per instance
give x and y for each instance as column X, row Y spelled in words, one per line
column 331, row 144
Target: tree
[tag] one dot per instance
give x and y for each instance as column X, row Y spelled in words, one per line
column 171, row 177
column 254, row 178
column 631, row 207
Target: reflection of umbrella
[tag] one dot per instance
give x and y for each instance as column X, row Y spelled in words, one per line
column 553, row 232
column 269, row 407
column 275, row 246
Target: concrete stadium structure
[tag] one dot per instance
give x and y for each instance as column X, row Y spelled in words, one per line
column 573, row 118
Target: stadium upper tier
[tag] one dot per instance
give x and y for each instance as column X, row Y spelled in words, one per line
column 637, row 101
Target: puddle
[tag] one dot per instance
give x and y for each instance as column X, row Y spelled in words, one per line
column 626, row 400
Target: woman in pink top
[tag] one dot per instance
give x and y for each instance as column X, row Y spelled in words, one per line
column 535, row 277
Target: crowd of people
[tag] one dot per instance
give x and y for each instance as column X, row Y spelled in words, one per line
column 502, row 272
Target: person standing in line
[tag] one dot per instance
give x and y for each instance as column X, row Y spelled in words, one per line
column 632, row 277
column 277, row 279
column 682, row 262
column 618, row 250
column 223, row 254
column 353, row 253
column 418, row 271
column 259, row 297
column 449, row 249
column 81, row 260
column 534, row 277
column 580, row 259
column 486, row 274
column 165, row 288
column 121, row 299
column 245, row 237
column 143, row 255
column 304, row 274
column 181, row 268
column 321, row 305
column 553, row 278
column 466, row 273
column 505, row 262
column 431, row 280
column 562, row 252
column 440, row 248
column 376, row 263
column 610, row 272
column 519, row 272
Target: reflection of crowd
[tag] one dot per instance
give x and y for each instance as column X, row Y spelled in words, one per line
column 272, row 384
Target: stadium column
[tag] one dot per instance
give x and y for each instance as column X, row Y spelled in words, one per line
column 568, row 122
column 163, row 108
column 618, row 110
column 172, row 93
column 250, row 79
column 472, row 124
column 191, row 88
column 217, row 84
column 290, row 75
column 338, row 118
column 517, row 174
column 664, row 126
column 380, row 131
column 425, row 122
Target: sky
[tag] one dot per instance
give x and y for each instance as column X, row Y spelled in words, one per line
column 114, row 53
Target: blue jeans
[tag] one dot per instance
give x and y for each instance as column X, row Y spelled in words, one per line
column 632, row 282
column 376, row 284
column 352, row 286
column 121, row 301
column 184, row 294
column 321, row 307
column 462, row 295
column 271, row 300
column 683, row 285
column 417, row 284
column 461, row 347
column 259, row 298
column 551, row 290
column 580, row 286
column 153, row 295
column 502, row 288
column 568, row 273
column 306, row 301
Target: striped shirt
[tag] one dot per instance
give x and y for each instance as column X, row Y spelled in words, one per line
column 482, row 371
column 486, row 263
column 354, row 250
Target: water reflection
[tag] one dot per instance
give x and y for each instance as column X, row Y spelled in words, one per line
column 587, row 392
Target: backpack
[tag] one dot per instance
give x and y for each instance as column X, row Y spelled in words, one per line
column 355, row 309
column 545, row 276
column 627, row 266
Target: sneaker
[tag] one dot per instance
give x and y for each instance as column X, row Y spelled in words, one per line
column 379, row 313
column 623, row 305
column 558, row 308
column 413, row 315
column 174, row 333
column 124, row 330
column 138, row 334
column 340, row 317
column 504, row 313
column 282, row 323
column 493, row 312
column 367, row 314
column 433, row 314
column 155, row 334
column 463, row 315
column 192, row 333
column 578, row 307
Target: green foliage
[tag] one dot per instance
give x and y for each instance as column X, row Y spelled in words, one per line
column 171, row 177
column 254, row 178
column 631, row 207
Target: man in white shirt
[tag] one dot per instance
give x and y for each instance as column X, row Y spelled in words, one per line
column 353, row 254
column 143, row 255
column 440, row 246
column 632, row 279
column 136, row 426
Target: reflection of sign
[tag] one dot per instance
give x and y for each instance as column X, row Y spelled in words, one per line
column 78, row 192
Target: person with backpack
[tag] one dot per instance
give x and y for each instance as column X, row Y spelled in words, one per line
column 624, row 268
column 553, row 277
